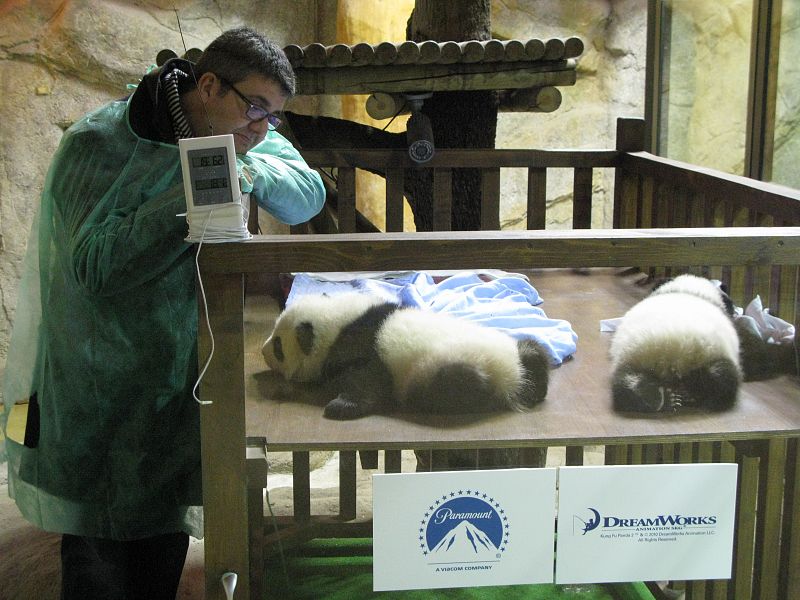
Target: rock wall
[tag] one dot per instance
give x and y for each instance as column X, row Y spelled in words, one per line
column 705, row 117
column 610, row 84
column 705, row 108
column 787, row 128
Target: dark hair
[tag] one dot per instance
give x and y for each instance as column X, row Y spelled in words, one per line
column 241, row 51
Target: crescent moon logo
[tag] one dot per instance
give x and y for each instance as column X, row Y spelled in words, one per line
column 592, row 523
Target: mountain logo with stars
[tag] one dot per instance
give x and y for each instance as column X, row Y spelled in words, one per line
column 467, row 526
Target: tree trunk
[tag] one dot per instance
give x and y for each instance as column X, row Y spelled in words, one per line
column 459, row 119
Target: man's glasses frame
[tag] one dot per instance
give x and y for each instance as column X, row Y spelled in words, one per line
column 254, row 112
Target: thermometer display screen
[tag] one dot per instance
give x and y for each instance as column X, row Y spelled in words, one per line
column 210, row 176
column 209, row 160
column 215, row 183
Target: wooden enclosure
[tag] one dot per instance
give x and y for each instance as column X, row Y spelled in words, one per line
column 669, row 217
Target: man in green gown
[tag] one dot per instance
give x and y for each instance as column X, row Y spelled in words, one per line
column 104, row 345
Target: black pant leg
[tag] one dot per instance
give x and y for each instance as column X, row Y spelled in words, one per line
column 156, row 565
column 92, row 569
column 100, row 569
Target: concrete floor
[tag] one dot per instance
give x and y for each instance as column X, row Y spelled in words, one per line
column 30, row 565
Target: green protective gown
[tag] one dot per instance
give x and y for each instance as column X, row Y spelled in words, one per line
column 105, row 331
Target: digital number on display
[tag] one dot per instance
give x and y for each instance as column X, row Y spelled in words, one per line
column 216, row 160
column 211, row 184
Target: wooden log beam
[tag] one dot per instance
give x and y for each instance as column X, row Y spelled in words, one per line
column 514, row 51
column 429, row 52
column 385, row 106
column 382, row 105
column 314, row 55
column 554, row 49
column 436, row 77
column 493, row 50
column 545, row 99
column 573, row 47
column 534, row 49
column 408, row 52
column 295, row 54
column 339, row 55
column 363, row 54
column 317, row 55
column 472, row 51
column 385, row 53
column 450, row 52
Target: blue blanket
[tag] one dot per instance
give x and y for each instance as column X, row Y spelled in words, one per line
column 506, row 302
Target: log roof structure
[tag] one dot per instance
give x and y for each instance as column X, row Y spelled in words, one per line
column 430, row 66
column 526, row 73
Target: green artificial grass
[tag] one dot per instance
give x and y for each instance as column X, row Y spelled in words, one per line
column 341, row 569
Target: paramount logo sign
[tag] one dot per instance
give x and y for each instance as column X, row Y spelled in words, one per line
column 463, row 528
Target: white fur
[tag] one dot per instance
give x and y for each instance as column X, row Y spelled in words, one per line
column 328, row 314
column 695, row 286
column 680, row 327
column 414, row 344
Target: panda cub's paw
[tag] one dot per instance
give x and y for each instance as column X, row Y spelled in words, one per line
column 640, row 391
column 283, row 390
column 536, row 362
column 341, row 408
column 677, row 349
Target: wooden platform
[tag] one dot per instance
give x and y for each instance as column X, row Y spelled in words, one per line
column 577, row 410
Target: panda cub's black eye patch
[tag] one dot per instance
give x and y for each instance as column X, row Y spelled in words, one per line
column 305, row 337
column 277, row 349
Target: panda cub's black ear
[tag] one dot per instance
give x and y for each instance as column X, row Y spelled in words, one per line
column 730, row 308
column 658, row 282
column 305, row 336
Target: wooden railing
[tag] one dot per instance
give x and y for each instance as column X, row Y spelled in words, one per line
column 769, row 503
column 668, row 217
column 654, row 192
column 535, row 162
column 649, row 192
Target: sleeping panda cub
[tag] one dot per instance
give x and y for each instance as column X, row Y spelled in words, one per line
column 678, row 347
column 374, row 356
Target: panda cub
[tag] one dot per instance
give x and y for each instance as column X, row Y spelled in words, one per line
column 374, row 356
column 678, row 347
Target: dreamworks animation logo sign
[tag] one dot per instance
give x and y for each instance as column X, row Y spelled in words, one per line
column 583, row 524
column 464, row 530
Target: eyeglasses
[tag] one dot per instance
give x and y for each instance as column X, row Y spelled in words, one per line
column 255, row 112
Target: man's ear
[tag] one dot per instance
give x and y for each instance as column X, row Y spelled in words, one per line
column 208, row 85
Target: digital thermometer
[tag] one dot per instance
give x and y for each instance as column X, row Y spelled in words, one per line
column 209, row 172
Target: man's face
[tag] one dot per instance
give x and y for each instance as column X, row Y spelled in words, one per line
column 227, row 110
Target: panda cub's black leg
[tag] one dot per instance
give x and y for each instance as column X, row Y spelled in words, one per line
column 353, row 371
column 343, row 408
column 536, row 362
column 456, row 388
column 360, row 390
column 714, row 386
